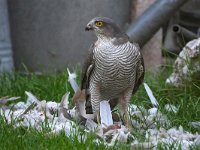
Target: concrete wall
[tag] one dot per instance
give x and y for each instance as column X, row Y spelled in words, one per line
column 49, row 34
column 6, row 58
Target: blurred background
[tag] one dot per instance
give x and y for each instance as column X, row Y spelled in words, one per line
column 49, row 35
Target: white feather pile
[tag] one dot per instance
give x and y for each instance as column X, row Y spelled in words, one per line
column 186, row 64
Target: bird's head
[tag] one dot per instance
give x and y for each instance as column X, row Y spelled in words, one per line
column 103, row 26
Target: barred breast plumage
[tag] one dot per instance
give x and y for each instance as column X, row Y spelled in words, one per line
column 115, row 68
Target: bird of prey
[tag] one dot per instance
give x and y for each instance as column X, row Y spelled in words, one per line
column 114, row 68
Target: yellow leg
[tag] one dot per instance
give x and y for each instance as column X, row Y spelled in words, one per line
column 98, row 117
column 124, row 100
column 127, row 120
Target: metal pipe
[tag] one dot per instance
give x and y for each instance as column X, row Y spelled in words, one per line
column 170, row 45
column 182, row 32
column 146, row 25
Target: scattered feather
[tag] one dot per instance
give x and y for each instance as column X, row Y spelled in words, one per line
column 195, row 124
column 197, row 140
column 31, row 98
column 145, row 145
column 105, row 114
column 91, row 125
column 171, row 108
column 71, row 79
column 151, row 96
column 64, row 104
column 28, row 109
column 6, row 99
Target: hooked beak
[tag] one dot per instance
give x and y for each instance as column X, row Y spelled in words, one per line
column 88, row 27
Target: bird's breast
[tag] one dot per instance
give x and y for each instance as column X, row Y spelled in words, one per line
column 115, row 65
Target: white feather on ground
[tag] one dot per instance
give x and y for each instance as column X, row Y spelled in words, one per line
column 151, row 96
column 105, row 114
column 71, row 79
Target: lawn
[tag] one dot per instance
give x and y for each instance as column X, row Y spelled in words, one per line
column 54, row 86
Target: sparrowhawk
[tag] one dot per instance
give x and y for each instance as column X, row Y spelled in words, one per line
column 114, row 68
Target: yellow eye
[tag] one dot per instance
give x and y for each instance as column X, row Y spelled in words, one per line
column 99, row 23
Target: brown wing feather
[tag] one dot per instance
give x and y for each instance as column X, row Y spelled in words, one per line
column 85, row 78
column 87, row 69
column 139, row 75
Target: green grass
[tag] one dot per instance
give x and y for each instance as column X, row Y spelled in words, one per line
column 23, row 138
column 54, row 86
